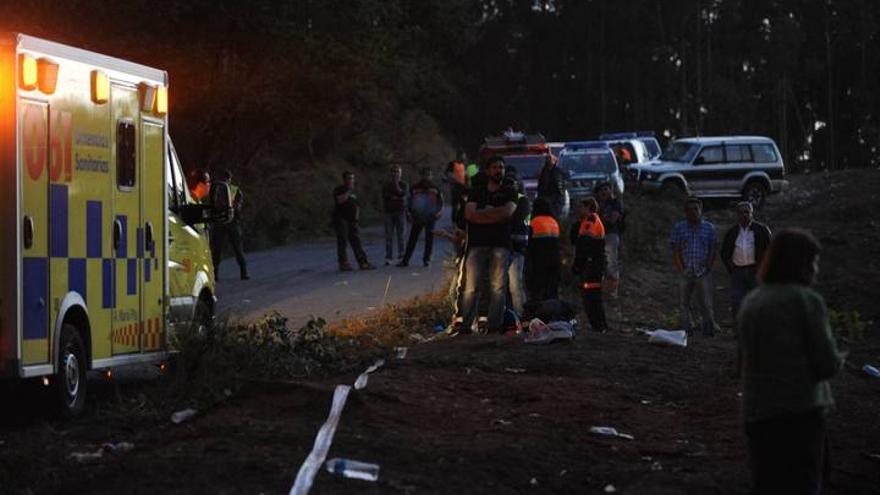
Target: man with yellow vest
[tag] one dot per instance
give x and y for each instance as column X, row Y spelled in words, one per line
column 588, row 236
column 229, row 226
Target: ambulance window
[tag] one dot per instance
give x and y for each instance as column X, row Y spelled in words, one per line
column 178, row 188
column 171, row 179
column 126, row 158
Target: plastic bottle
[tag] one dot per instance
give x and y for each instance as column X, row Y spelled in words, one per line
column 181, row 416
column 352, row 469
column 870, row 370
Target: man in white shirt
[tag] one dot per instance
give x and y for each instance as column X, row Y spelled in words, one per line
column 742, row 250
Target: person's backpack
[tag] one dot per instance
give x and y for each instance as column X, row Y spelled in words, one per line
column 425, row 203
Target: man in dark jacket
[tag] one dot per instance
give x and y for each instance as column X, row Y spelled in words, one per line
column 425, row 207
column 519, row 227
column 551, row 186
column 394, row 197
column 346, row 213
column 742, row 251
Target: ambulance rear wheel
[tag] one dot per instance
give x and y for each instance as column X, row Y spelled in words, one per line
column 203, row 317
column 70, row 381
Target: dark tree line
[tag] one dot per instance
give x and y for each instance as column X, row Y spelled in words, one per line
column 289, row 91
column 309, row 77
column 801, row 71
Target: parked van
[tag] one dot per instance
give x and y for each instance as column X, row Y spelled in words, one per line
column 749, row 167
column 527, row 153
column 101, row 254
column 587, row 164
column 647, row 138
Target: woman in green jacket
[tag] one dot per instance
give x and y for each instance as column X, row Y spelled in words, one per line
column 787, row 356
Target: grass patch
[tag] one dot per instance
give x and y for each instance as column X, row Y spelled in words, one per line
column 847, row 324
column 218, row 363
column 397, row 325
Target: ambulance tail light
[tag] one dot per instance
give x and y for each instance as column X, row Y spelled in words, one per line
column 27, row 72
column 47, row 75
column 161, row 106
column 100, row 87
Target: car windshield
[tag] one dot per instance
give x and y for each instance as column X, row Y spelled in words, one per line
column 652, row 145
column 680, row 152
column 527, row 166
column 584, row 163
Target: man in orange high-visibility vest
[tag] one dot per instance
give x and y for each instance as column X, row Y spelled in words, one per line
column 588, row 236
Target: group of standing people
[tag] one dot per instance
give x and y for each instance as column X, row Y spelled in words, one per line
column 227, row 199
column 511, row 252
column 787, row 353
column 694, row 244
column 420, row 206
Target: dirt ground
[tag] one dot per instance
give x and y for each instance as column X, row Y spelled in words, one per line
column 489, row 414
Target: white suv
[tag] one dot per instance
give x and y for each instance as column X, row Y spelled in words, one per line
column 717, row 167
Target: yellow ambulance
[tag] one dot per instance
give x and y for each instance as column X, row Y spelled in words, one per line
column 103, row 253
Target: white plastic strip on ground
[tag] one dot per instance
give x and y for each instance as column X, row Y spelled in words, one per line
column 316, row 457
column 361, row 381
column 307, row 472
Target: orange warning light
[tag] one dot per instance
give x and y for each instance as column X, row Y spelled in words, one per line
column 100, row 87
column 161, row 106
column 47, row 75
column 27, row 72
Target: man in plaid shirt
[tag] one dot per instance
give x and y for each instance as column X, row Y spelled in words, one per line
column 694, row 246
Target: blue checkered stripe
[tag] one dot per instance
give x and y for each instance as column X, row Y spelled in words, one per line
column 695, row 244
column 35, row 269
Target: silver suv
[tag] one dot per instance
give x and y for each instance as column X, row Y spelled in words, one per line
column 717, row 167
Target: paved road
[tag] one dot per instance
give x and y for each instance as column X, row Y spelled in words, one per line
column 302, row 279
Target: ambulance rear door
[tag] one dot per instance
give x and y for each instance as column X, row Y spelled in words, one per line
column 152, row 253
column 127, row 324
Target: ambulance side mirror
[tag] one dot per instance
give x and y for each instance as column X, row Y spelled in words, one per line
column 193, row 214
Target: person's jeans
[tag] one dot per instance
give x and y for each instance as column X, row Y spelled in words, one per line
column 218, row 235
column 414, row 231
column 742, row 281
column 515, row 281
column 347, row 232
column 612, row 254
column 394, row 225
column 687, row 285
column 788, row 453
column 480, row 262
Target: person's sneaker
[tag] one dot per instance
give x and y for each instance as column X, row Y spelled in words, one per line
column 367, row 266
column 456, row 327
column 402, row 264
column 244, row 276
column 345, row 267
column 387, row 261
column 482, row 325
column 426, row 263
